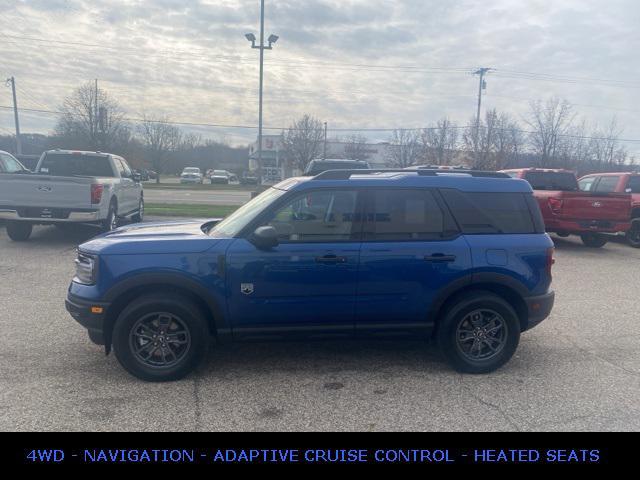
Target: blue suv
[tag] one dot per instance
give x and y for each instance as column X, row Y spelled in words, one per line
column 459, row 257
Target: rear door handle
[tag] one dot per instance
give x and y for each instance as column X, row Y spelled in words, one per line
column 331, row 259
column 440, row 258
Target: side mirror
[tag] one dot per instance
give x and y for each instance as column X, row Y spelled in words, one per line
column 265, row 237
column 137, row 177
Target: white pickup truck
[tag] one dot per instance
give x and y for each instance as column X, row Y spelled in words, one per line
column 70, row 187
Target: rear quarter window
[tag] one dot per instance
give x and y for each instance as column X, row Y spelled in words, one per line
column 501, row 213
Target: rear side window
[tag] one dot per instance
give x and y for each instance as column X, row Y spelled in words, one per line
column 8, row 164
column 586, row 184
column 481, row 212
column 407, row 214
column 69, row 165
column 607, row 184
column 563, row 181
column 634, row 184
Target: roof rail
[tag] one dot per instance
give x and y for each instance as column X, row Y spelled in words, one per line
column 423, row 172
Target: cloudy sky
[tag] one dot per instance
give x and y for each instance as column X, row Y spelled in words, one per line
column 356, row 64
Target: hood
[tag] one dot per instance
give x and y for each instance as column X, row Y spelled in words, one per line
column 160, row 237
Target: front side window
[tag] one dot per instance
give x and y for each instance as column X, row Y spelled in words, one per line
column 316, row 216
column 607, row 184
column 402, row 215
column 8, row 164
column 586, row 184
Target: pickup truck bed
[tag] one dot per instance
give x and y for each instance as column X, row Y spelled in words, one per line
column 566, row 210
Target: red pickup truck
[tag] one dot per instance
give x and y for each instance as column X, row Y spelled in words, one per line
column 622, row 182
column 567, row 210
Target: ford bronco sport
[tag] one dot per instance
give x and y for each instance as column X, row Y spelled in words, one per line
column 458, row 257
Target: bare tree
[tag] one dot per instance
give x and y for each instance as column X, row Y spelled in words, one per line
column 405, row 148
column 88, row 127
column 496, row 143
column 440, row 142
column 549, row 122
column 159, row 138
column 356, row 147
column 302, row 142
column 606, row 151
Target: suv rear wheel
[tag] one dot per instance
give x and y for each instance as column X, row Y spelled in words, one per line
column 160, row 337
column 479, row 333
column 594, row 240
column 633, row 235
column 19, row 231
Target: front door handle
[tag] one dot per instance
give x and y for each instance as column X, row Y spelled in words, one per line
column 331, row 259
column 440, row 258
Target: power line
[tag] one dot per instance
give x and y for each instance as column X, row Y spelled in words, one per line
column 357, row 129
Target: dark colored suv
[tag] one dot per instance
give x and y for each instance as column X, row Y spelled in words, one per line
column 462, row 258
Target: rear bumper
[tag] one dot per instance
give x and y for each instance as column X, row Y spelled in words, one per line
column 584, row 226
column 539, row 308
column 81, row 311
column 68, row 216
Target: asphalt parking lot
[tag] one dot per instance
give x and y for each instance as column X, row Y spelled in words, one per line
column 579, row 370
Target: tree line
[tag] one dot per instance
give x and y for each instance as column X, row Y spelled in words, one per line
column 91, row 119
column 549, row 136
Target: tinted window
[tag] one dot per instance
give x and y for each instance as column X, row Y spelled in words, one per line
column 634, row 184
column 68, row 165
column 317, row 216
column 404, row 215
column 478, row 212
column 552, row 181
column 607, row 184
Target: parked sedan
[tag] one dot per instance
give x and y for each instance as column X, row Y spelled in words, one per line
column 220, row 177
column 191, row 175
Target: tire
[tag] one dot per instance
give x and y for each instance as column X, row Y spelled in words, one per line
column 144, row 316
column 139, row 217
column 633, row 235
column 594, row 240
column 111, row 222
column 562, row 234
column 454, row 335
column 19, row 231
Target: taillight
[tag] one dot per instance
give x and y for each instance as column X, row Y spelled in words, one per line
column 96, row 193
column 550, row 260
column 555, row 204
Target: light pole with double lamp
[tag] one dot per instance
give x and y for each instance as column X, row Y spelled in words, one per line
column 262, row 47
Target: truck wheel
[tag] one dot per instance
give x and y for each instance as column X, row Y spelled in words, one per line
column 160, row 337
column 633, row 235
column 19, row 231
column 594, row 240
column 479, row 333
column 563, row 234
column 138, row 217
column 111, row 222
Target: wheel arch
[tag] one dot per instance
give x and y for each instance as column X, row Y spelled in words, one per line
column 511, row 290
column 126, row 291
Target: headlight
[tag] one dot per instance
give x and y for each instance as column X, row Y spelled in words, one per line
column 86, row 269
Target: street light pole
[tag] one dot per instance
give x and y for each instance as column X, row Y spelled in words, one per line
column 262, row 47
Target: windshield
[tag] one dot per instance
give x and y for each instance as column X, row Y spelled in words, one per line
column 191, row 170
column 76, row 165
column 234, row 223
column 566, row 182
column 219, row 172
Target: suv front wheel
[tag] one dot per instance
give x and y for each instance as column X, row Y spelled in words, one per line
column 479, row 333
column 160, row 337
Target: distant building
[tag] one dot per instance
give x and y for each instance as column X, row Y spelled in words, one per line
column 275, row 167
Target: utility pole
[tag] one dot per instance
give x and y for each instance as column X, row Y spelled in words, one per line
column 262, row 47
column 95, row 115
column 324, row 150
column 481, row 86
column 12, row 80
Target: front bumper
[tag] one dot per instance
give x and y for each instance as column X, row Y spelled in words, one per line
column 91, row 315
column 539, row 308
